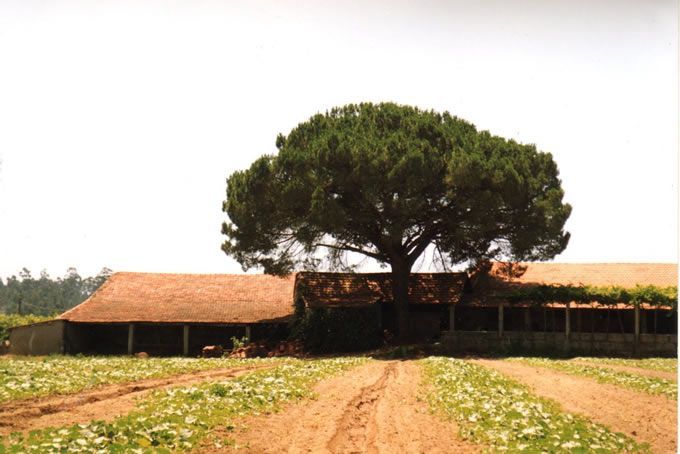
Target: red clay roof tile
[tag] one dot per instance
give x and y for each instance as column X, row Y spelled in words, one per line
column 196, row 298
column 594, row 274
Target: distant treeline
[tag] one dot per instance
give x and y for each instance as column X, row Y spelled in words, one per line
column 43, row 295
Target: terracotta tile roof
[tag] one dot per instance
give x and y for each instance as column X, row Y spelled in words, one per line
column 196, row 298
column 366, row 288
column 593, row 274
column 503, row 277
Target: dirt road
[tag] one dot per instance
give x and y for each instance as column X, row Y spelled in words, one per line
column 104, row 403
column 644, row 417
column 373, row 409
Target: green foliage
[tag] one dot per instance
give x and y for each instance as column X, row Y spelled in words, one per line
column 8, row 321
column 387, row 181
column 238, row 342
column 46, row 296
column 649, row 385
column 540, row 294
column 497, row 411
column 336, row 329
column 661, row 364
column 182, row 418
column 28, row 377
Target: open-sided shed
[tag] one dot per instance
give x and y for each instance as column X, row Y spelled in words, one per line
column 180, row 313
column 168, row 314
column 489, row 317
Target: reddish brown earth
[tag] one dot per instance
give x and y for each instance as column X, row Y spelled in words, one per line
column 646, row 418
column 372, row 409
column 672, row 376
column 103, row 403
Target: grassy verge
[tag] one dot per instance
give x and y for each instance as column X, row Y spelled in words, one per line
column 498, row 412
column 660, row 364
column 649, row 385
column 179, row 419
column 25, row 377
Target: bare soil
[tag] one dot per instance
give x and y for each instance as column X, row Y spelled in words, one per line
column 102, row 403
column 373, row 409
column 672, row 376
column 646, row 418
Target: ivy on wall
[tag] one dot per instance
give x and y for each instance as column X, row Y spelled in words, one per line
column 335, row 329
column 666, row 297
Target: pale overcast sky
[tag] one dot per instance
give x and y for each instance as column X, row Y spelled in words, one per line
column 120, row 121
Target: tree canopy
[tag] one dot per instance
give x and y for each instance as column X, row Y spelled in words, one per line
column 388, row 181
column 45, row 296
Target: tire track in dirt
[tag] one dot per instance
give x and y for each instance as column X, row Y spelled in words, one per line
column 371, row 409
column 358, row 427
column 644, row 417
column 103, row 403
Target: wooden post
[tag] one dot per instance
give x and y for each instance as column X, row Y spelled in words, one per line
column 452, row 318
column 545, row 320
column 131, row 338
column 606, row 328
column 527, row 318
column 185, row 343
column 247, row 334
column 567, row 322
column 528, row 333
column 637, row 325
column 500, row 320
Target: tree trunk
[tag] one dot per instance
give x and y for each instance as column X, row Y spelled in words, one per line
column 400, row 284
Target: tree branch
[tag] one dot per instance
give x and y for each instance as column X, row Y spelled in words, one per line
column 346, row 247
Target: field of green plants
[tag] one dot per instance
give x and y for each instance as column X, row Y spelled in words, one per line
column 661, row 364
column 33, row 377
column 181, row 418
column 637, row 382
column 490, row 409
column 499, row 412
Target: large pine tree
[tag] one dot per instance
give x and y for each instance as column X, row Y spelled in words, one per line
column 388, row 181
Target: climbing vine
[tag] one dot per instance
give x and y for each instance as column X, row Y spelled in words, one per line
column 542, row 294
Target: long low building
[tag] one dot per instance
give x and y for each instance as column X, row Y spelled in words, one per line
column 171, row 314
column 487, row 321
column 165, row 314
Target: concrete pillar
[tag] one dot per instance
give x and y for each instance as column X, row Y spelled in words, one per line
column 185, row 343
column 247, row 334
column 500, row 320
column 131, row 338
column 452, row 318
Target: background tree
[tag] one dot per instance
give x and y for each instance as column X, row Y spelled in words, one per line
column 46, row 296
column 388, row 181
